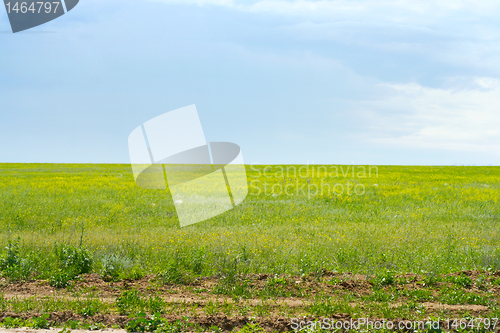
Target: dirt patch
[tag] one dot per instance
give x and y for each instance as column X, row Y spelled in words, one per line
column 226, row 324
column 456, row 307
column 57, row 330
column 283, row 297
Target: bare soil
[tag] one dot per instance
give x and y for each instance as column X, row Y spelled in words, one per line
column 305, row 289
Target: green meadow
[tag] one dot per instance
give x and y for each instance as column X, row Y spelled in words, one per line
column 295, row 220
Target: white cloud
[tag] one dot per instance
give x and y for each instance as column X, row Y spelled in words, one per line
column 455, row 33
column 227, row 3
column 392, row 10
column 421, row 117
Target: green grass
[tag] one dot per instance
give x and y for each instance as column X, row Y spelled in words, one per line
column 432, row 220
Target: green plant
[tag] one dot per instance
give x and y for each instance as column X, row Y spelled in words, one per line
column 129, row 302
column 72, row 325
column 155, row 304
column 232, row 280
column 3, row 302
column 335, row 280
column 134, row 273
column 39, row 322
column 459, row 296
column 113, row 266
column 10, row 258
column 72, row 262
column 61, row 278
column 94, row 326
column 227, row 308
column 197, row 261
column 22, row 271
column 142, row 323
column 89, row 308
column 211, row 308
column 482, row 283
column 77, row 259
column 154, row 323
column 385, row 279
column 419, row 294
column 13, row 266
column 175, row 274
column 263, row 309
column 276, row 287
column 430, row 279
column 323, row 307
column 461, row 280
column 214, row 329
column 307, row 265
column 252, row 328
column 10, row 322
column 382, row 296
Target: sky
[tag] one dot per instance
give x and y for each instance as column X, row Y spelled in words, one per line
column 413, row 82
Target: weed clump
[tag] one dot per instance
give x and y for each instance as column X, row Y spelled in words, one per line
column 174, row 273
column 61, row 278
column 232, row 279
column 430, row 279
column 461, row 281
column 72, row 261
column 10, row 258
column 385, row 279
column 41, row 322
column 132, row 301
column 79, row 260
column 115, row 267
column 154, row 323
column 13, row 266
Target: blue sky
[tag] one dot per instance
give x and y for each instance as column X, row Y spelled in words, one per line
column 348, row 82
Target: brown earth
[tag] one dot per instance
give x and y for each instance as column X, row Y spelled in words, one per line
column 303, row 289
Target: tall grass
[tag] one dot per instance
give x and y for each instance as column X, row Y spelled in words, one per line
column 408, row 219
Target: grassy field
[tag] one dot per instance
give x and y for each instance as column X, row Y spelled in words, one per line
column 383, row 222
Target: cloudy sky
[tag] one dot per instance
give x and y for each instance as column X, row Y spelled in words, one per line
column 290, row 81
